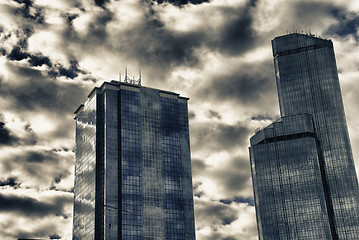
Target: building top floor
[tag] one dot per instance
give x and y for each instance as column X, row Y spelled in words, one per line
column 117, row 85
column 295, row 42
column 285, row 128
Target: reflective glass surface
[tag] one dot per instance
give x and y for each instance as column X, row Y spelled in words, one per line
column 307, row 82
column 85, row 172
column 111, row 168
column 144, row 180
column 289, row 194
column 131, row 161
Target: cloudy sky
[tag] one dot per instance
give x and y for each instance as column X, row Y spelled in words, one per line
column 217, row 52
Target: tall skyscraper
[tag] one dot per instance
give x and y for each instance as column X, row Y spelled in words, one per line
column 303, row 173
column 133, row 169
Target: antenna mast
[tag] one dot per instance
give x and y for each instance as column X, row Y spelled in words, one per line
column 139, row 80
column 130, row 80
column 126, row 77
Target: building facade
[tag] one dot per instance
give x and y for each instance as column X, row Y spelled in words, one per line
column 304, row 179
column 133, row 169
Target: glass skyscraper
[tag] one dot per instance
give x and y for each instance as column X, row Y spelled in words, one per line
column 133, row 169
column 304, row 180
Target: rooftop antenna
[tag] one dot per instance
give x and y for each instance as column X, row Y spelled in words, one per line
column 130, row 80
column 140, row 76
column 126, row 73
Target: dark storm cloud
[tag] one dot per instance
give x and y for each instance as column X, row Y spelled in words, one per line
column 237, row 35
column 234, row 177
column 247, row 85
column 3, row 51
column 152, row 44
column 191, row 115
column 70, row 17
column 169, row 48
column 97, row 28
column 101, row 3
column 198, row 167
column 250, row 201
column 261, row 117
column 13, row 230
column 71, row 72
column 179, row 3
column 196, row 190
column 213, row 115
column 11, row 182
column 20, row 52
column 58, row 179
column 31, row 158
column 25, row 8
column 230, row 135
column 20, row 49
column 18, row 40
column 6, row 137
column 55, row 236
column 30, row 138
column 148, row 41
column 23, row 35
column 31, row 207
column 39, row 60
column 348, row 23
column 317, row 15
column 218, row 136
column 96, row 35
column 41, row 92
column 62, row 149
column 17, row 54
column 215, row 213
column 38, row 167
column 38, row 157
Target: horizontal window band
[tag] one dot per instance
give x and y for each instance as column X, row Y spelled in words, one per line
column 287, row 137
column 302, row 49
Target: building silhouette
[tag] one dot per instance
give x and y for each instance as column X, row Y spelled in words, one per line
column 133, row 169
column 304, row 180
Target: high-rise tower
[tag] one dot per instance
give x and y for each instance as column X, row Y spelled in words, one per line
column 303, row 173
column 133, row 169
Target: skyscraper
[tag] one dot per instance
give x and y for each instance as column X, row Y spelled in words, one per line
column 133, row 170
column 303, row 173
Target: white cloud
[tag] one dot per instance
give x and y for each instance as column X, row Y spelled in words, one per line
column 216, row 220
column 14, row 224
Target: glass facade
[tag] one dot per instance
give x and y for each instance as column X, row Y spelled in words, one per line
column 307, row 82
column 144, row 181
column 85, row 172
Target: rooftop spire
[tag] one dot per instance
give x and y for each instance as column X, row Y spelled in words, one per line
column 132, row 80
